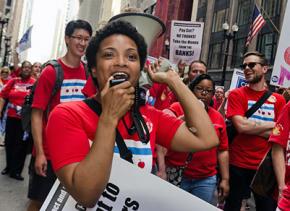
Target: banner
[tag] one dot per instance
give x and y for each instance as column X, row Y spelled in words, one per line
column 281, row 70
column 238, row 79
column 185, row 41
column 130, row 188
column 25, row 41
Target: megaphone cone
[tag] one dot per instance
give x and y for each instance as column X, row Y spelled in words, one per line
column 149, row 26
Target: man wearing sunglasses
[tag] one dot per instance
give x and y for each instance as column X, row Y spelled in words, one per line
column 251, row 143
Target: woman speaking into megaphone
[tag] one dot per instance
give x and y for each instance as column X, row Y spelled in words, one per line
column 118, row 52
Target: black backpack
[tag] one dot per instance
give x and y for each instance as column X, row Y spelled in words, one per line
column 26, row 107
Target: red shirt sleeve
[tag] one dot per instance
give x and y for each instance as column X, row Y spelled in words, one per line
column 44, row 86
column 223, row 137
column 90, row 88
column 7, row 88
column 176, row 109
column 166, row 129
column 235, row 104
column 70, row 144
column 279, row 105
column 280, row 132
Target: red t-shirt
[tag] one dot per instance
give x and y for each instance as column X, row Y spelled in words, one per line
column 281, row 136
column 216, row 104
column 15, row 91
column 247, row 151
column 72, row 125
column 90, row 88
column 16, row 73
column 204, row 163
column 74, row 80
column 160, row 96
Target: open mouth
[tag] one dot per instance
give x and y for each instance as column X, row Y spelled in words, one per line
column 121, row 75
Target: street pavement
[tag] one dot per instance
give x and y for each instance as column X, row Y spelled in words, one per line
column 13, row 193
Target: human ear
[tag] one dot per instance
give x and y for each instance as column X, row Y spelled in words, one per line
column 94, row 72
column 265, row 69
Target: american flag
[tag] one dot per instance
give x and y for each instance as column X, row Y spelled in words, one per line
column 257, row 23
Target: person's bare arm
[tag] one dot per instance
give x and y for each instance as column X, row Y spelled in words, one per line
column 87, row 179
column 2, row 102
column 36, row 129
column 278, row 159
column 246, row 126
column 198, row 132
column 15, row 58
column 224, row 187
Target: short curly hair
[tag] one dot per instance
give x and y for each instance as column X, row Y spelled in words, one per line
column 200, row 78
column 116, row 27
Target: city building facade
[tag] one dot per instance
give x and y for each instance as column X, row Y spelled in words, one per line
column 217, row 12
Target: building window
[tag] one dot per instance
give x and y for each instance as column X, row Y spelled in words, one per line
column 238, row 51
column 272, row 7
column 244, row 12
column 215, row 55
column 8, row 3
column 202, row 3
column 267, row 44
column 219, row 18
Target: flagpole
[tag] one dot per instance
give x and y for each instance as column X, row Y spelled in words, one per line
column 269, row 19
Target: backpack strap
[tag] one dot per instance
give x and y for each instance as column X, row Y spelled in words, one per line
column 86, row 69
column 58, row 81
column 125, row 153
column 258, row 104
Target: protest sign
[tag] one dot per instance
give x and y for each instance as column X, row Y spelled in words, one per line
column 130, row 188
column 238, row 79
column 185, row 41
column 281, row 70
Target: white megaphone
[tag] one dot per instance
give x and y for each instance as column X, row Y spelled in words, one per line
column 150, row 27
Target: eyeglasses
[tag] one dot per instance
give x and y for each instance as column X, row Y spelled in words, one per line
column 4, row 72
column 80, row 39
column 251, row 65
column 202, row 90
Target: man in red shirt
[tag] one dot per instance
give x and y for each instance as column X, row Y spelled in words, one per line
column 251, row 143
column 42, row 177
column 280, row 138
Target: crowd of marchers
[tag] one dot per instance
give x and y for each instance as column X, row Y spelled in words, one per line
column 178, row 133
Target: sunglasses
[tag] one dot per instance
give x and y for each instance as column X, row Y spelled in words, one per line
column 4, row 72
column 251, row 65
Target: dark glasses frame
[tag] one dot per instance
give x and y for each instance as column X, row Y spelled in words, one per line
column 251, row 65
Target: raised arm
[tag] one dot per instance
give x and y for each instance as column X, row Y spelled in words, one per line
column 197, row 133
column 15, row 58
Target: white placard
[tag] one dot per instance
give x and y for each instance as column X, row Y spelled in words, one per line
column 238, row 79
column 130, row 188
column 281, row 70
column 185, row 41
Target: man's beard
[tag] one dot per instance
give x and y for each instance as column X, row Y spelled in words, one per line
column 256, row 79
